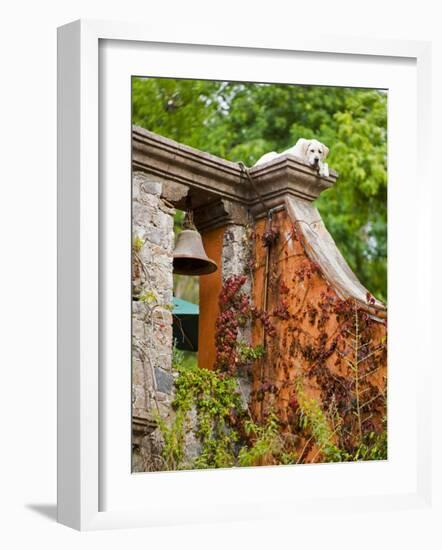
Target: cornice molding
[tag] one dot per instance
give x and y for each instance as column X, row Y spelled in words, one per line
column 173, row 161
column 219, row 179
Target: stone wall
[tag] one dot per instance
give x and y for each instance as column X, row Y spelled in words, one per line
column 152, row 288
column 236, row 258
column 236, row 254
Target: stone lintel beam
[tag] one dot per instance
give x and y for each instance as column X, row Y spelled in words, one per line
column 178, row 163
column 219, row 189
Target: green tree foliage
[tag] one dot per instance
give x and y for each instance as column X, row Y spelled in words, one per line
column 242, row 121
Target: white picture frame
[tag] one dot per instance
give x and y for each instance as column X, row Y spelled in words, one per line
column 80, row 394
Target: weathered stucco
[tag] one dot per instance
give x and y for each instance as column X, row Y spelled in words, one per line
column 309, row 343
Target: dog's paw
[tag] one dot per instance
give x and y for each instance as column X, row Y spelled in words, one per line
column 324, row 171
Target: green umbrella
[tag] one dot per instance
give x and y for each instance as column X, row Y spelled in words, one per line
column 185, row 324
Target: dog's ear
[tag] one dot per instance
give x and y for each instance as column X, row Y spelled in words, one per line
column 326, row 151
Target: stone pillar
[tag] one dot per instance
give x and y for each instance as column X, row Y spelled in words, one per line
column 152, row 288
column 236, row 260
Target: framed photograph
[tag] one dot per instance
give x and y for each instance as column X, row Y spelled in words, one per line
column 232, row 221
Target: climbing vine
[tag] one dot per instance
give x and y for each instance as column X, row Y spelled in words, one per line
column 225, row 433
column 328, row 343
column 313, row 421
column 235, row 311
column 319, row 385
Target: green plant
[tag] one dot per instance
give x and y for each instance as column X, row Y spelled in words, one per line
column 312, row 419
column 267, row 442
column 227, row 434
column 374, row 446
column 217, row 404
column 149, row 297
column 173, row 433
column 137, row 244
column 248, row 354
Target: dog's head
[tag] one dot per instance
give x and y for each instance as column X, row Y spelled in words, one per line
column 314, row 151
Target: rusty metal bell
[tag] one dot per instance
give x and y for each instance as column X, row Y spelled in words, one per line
column 189, row 256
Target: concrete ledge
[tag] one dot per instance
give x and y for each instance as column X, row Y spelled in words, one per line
column 178, row 163
column 208, row 177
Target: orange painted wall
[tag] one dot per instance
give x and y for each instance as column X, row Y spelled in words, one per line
column 290, row 352
column 210, row 287
column 304, row 311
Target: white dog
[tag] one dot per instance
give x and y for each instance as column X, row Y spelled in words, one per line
column 308, row 150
